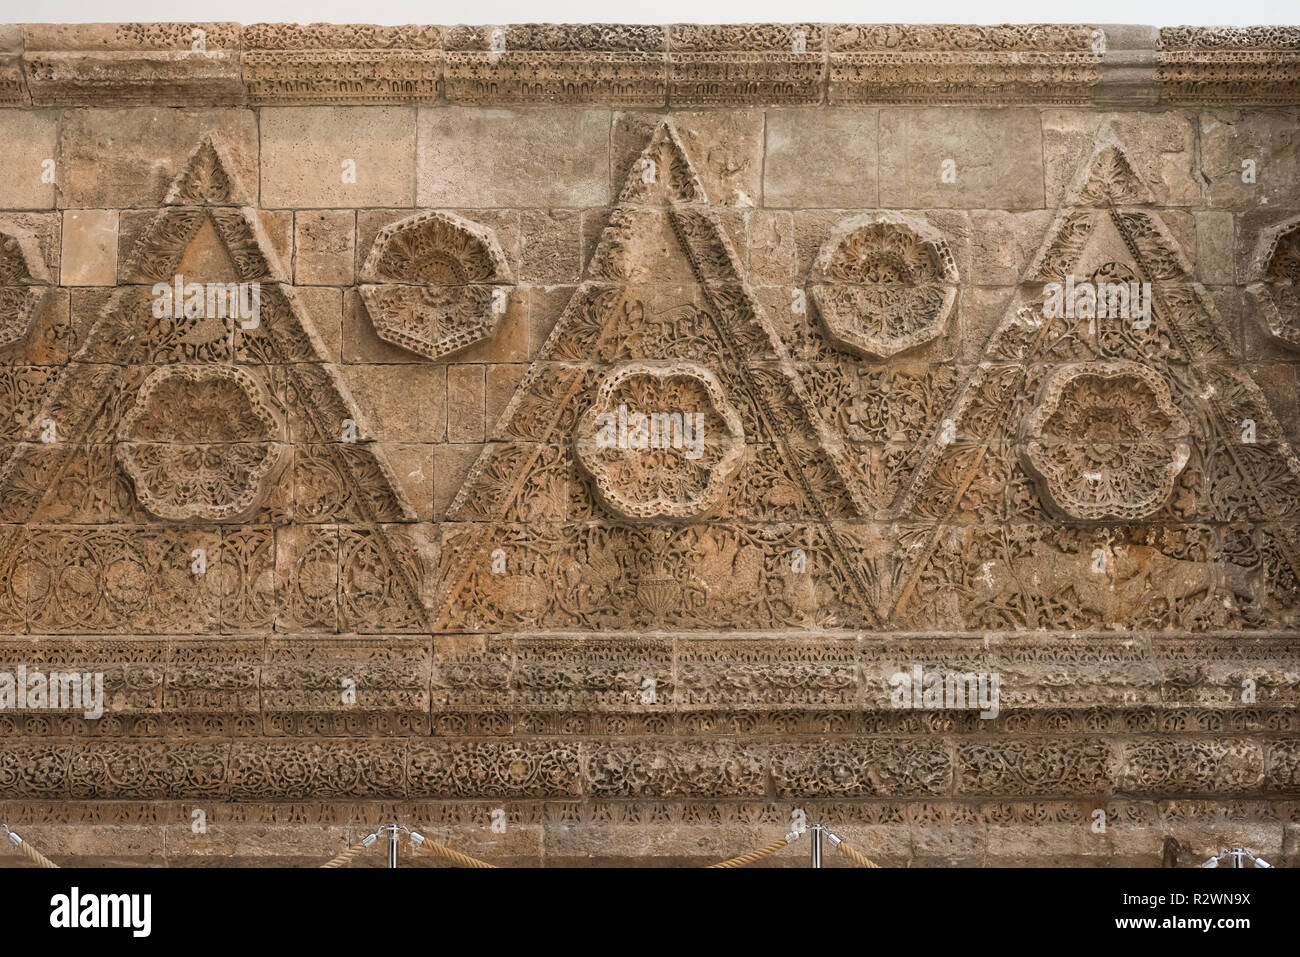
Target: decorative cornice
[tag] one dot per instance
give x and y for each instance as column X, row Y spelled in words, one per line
column 682, row 65
column 1249, row 65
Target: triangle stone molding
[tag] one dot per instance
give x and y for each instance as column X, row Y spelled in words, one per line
column 1009, row 436
column 200, row 411
column 662, row 313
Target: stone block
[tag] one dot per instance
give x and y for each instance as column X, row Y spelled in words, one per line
column 479, row 157
column 331, row 157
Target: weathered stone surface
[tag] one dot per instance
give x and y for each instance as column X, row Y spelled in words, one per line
column 30, row 170
column 980, row 159
column 131, row 157
column 327, row 157
column 89, row 256
column 821, row 158
column 554, row 158
column 630, row 416
column 1250, row 159
column 1160, row 146
column 899, row 63
column 556, row 64
column 290, row 63
column 133, row 62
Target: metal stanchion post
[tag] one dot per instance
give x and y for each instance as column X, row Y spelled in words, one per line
column 1238, row 857
column 817, row 844
column 392, row 844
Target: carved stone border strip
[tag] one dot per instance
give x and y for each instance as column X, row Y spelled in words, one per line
column 621, row 65
column 1242, row 65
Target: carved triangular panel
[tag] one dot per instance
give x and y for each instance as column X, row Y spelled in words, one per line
column 753, row 514
column 201, row 426
column 1110, row 462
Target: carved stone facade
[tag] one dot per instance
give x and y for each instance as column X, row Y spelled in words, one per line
column 623, row 411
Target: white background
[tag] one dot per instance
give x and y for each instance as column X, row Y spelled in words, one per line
column 1155, row 12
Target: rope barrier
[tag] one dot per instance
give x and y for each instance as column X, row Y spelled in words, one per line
column 347, row 857
column 463, row 860
column 31, row 853
column 854, row 856
column 757, row 855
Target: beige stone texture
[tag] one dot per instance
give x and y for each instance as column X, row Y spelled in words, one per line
column 640, row 652
column 89, row 256
column 1268, row 139
column 324, row 246
column 970, row 159
column 129, row 157
column 327, row 157
column 31, row 159
column 821, row 158
column 1161, row 146
column 519, row 157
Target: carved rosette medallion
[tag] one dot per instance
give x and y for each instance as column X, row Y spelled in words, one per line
column 884, row 283
column 1106, row 440
column 435, row 283
column 1276, row 289
column 660, row 441
column 198, row 442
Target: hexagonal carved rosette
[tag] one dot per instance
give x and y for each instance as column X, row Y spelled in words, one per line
column 884, row 283
column 1106, row 440
column 661, row 440
column 198, row 442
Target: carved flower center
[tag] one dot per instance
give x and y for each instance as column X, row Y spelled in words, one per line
column 198, row 442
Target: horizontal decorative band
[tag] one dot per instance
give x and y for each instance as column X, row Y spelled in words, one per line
column 632, row 65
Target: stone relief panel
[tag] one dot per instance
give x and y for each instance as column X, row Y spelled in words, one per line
column 198, row 442
column 24, row 286
column 178, row 406
column 620, row 643
column 663, row 302
column 884, row 283
column 1210, row 451
column 1275, row 271
column 694, row 437
column 435, row 283
column 1106, row 439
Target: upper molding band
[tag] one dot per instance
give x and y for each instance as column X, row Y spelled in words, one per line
column 682, row 65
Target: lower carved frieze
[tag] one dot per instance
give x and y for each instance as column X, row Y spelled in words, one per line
column 1099, row 831
column 856, row 766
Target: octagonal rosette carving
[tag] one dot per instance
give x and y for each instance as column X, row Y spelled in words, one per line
column 199, row 442
column 1106, row 440
column 435, row 283
column 884, row 283
column 1275, row 270
column 661, row 440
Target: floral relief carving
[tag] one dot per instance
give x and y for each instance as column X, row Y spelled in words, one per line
column 435, row 283
column 24, row 286
column 1276, row 287
column 654, row 588
column 660, row 440
column 884, row 283
column 198, row 442
column 1107, row 440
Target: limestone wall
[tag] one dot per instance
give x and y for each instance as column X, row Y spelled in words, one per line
column 360, row 552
